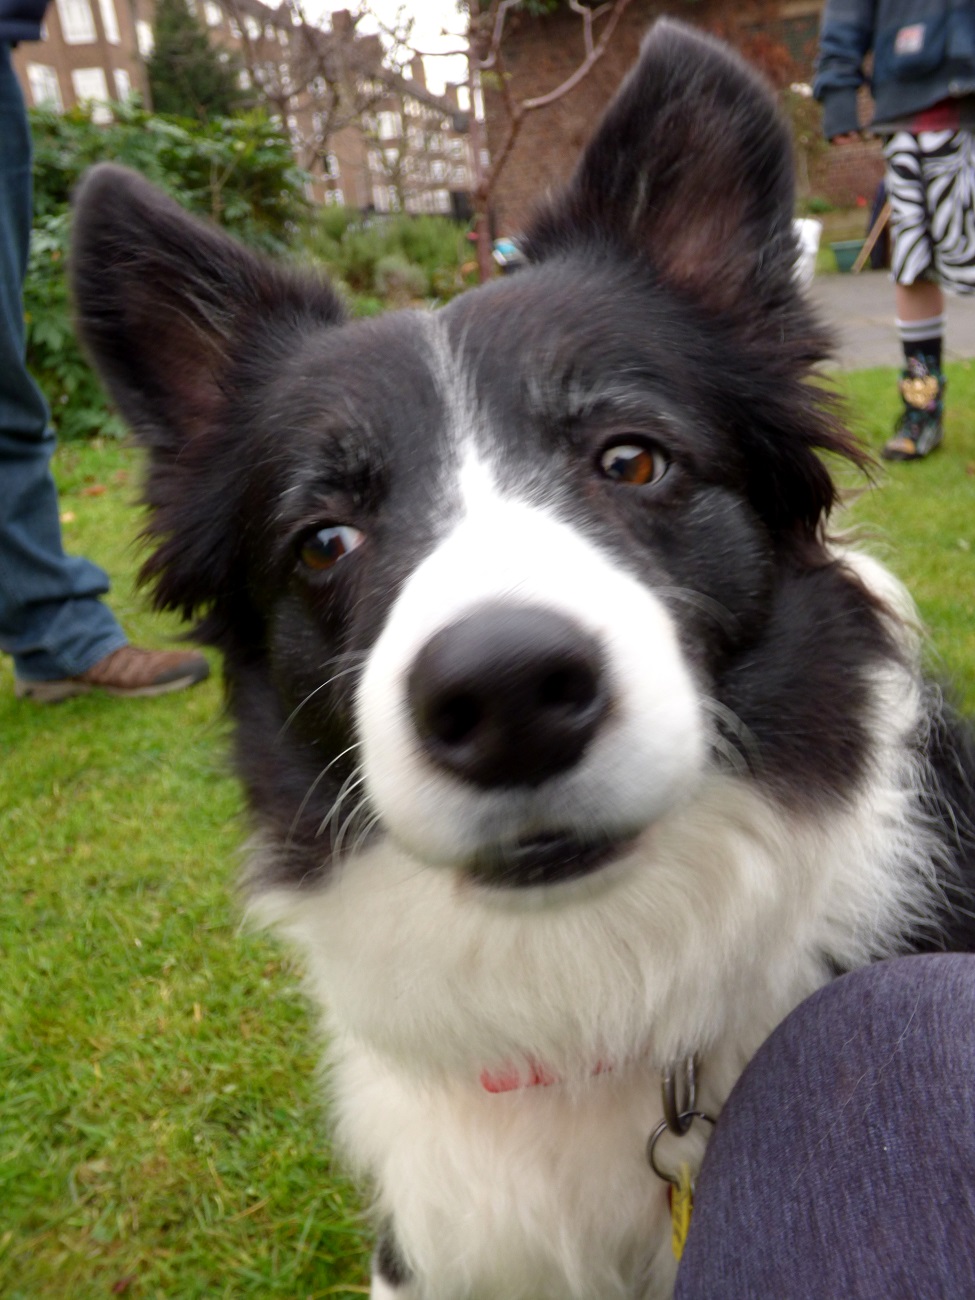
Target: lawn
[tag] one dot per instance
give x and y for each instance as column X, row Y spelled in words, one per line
column 159, row 1130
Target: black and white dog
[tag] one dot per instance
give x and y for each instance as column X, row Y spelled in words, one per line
column 574, row 747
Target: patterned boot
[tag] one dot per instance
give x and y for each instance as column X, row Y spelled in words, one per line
column 919, row 430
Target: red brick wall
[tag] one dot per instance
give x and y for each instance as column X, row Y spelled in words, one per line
column 539, row 53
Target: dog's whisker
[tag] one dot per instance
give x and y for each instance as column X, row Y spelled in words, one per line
column 721, row 614
column 360, row 658
column 732, row 734
column 312, row 788
column 360, row 810
column 369, row 824
column 352, row 782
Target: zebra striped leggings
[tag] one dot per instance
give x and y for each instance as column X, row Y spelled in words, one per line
column 931, row 186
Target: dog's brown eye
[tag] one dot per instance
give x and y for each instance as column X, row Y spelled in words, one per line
column 631, row 463
column 322, row 550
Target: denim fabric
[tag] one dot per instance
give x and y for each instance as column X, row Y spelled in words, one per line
column 923, row 52
column 51, row 619
column 844, row 1162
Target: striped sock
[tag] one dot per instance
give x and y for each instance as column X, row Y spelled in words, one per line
column 921, row 340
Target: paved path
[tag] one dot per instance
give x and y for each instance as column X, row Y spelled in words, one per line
column 860, row 309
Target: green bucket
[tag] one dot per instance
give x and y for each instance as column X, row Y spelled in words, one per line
column 846, row 252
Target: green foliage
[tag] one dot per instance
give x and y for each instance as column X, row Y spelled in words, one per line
column 74, row 394
column 397, row 257
column 238, row 171
column 187, row 76
column 399, row 279
column 816, row 206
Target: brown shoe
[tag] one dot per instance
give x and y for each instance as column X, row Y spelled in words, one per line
column 128, row 671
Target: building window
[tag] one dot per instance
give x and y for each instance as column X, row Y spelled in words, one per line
column 90, row 87
column 244, row 79
column 123, row 84
column 438, row 170
column 390, row 126
column 110, row 21
column 213, row 14
column 44, row 87
column 332, row 167
column 144, row 38
column 441, row 200
column 334, row 198
column 234, row 26
column 252, row 27
column 77, row 22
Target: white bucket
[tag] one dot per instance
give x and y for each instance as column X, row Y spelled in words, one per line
column 808, row 232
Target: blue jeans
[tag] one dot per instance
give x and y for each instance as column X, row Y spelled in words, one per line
column 51, row 618
column 843, row 1165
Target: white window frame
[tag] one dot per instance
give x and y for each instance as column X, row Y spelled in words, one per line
column 45, row 88
column 110, row 21
column 390, row 126
column 123, row 84
column 94, row 93
column 77, row 22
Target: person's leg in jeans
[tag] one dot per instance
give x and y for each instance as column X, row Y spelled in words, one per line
column 844, row 1162
column 62, row 636
column 51, row 619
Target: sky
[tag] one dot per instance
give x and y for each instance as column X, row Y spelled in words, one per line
column 430, row 18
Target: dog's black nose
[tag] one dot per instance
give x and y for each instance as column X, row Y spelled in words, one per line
column 508, row 695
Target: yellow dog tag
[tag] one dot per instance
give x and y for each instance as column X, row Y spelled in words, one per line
column 681, row 1205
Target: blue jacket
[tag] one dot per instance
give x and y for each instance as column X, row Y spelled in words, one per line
column 20, row 20
column 923, row 52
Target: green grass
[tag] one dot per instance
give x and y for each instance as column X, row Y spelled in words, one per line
column 919, row 518
column 160, row 1134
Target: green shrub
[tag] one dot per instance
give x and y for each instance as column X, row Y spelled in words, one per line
column 400, row 280
column 238, row 171
column 367, row 254
column 78, row 405
column 816, row 205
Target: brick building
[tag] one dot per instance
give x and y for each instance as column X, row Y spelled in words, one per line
column 370, row 136
column 538, row 54
column 90, row 50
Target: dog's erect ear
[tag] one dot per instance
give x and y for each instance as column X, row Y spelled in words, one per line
column 166, row 302
column 691, row 169
column 183, row 324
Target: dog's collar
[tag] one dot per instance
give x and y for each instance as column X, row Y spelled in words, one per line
column 510, row 1078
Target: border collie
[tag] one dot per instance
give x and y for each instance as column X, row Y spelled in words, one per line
column 575, row 746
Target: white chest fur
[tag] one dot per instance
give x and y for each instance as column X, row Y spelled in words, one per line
column 723, row 917
column 538, row 1194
